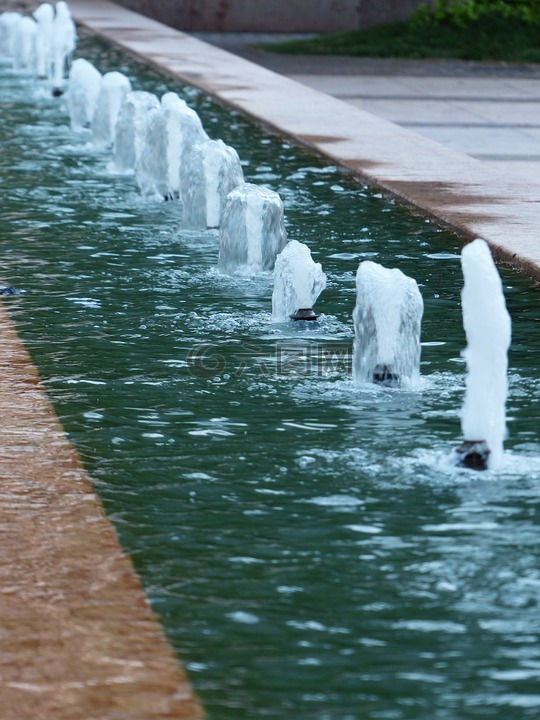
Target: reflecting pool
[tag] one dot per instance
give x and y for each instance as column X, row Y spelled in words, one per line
column 308, row 544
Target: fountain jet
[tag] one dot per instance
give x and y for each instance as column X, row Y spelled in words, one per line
column 24, row 54
column 63, row 43
column 8, row 25
column 387, row 324
column 82, row 93
column 298, row 282
column 169, row 132
column 488, row 329
column 44, row 16
column 212, row 169
column 252, row 231
column 129, row 129
column 112, row 92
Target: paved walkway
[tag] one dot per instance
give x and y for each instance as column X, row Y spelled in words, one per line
column 490, row 111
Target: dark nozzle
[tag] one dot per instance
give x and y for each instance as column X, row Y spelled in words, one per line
column 57, row 92
column 384, row 375
column 473, row 454
column 9, row 291
column 304, row 314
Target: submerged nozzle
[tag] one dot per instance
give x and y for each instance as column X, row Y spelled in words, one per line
column 384, row 375
column 304, row 314
column 10, row 290
column 473, row 454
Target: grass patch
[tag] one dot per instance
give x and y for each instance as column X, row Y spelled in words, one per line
column 492, row 36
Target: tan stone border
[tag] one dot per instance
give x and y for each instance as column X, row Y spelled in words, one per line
column 470, row 196
column 78, row 638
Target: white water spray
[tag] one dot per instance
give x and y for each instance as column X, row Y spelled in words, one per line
column 82, row 93
column 169, row 132
column 44, row 16
column 387, row 325
column 63, row 43
column 129, row 129
column 252, row 231
column 184, row 130
column 212, row 169
column 8, row 25
column 488, row 328
column 298, row 281
column 24, row 53
column 112, row 92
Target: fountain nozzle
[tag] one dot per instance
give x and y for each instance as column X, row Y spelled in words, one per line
column 57, row 92
column 304, row 314
column 9, row 290
column 473, row 454
column 384, row 375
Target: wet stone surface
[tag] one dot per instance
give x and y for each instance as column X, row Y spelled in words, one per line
column 77, row 635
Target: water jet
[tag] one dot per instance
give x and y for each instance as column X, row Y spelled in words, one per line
column 211, row 170
column 387, row 324
column 129, row 129
column 168, row 134
column 113, row 89
column 83, row 90
column 298, row 282
column 488, row 329
column 252, row 232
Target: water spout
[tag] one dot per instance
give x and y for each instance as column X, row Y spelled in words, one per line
column 298, row 282
column 63, row 43
column 112, row 92
column 212, row 169
column 488, row 328
column 169, row 132
column 44, row 16
column 82, row 94
column 129, row 129
column 184, row 130
column 24, row 54
column 8, row 26
column 387, row 325
column 252, row 232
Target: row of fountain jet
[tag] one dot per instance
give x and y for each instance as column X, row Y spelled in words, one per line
column 164, row 144
column 40, row 43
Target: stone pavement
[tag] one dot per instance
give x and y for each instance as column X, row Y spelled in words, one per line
column 490, row 111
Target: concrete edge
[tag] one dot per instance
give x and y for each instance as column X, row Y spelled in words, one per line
column 79, row 639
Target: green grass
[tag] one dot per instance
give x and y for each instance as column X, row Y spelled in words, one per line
column 491, row 37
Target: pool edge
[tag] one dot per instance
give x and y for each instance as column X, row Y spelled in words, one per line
column 79, row 637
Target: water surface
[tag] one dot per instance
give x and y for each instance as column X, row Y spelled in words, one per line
column 309, row 546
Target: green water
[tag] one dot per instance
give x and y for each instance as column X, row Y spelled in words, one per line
column 309, row 546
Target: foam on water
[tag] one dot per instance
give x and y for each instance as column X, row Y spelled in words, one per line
column 488, row 328
column 387, row 323
column 298, row 281
column 211, row 170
